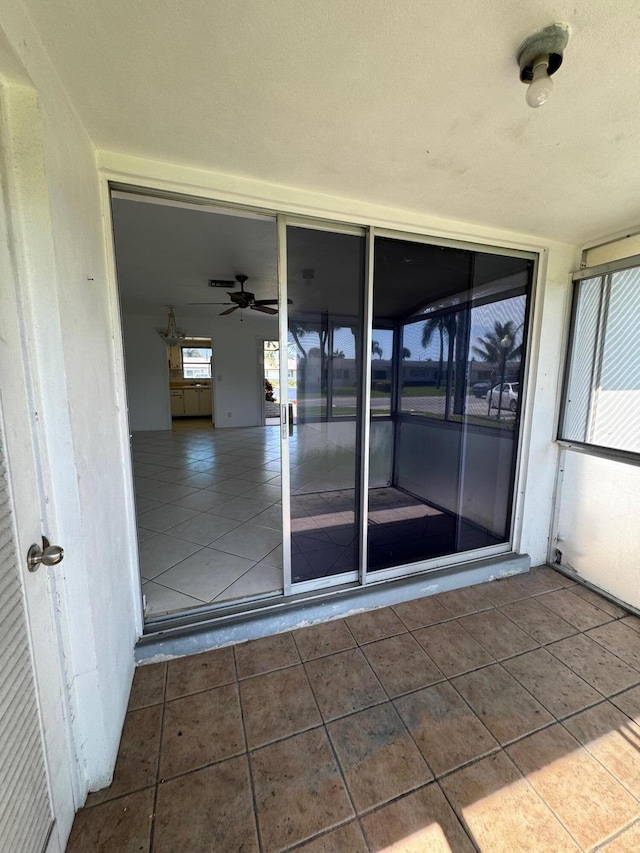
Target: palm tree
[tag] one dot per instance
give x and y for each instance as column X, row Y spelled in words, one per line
column 376, row 349
column 406, row 353
column 338, row 353
column 490, row 348
column 441, row 325
column 297, row 331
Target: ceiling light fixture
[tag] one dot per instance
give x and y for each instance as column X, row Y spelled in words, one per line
column 540, row 56
column 172, row 336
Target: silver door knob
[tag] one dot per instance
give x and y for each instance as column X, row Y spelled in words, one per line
column 48, row 554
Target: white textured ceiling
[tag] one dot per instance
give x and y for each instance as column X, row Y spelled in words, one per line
column 409, row 103
column 166, row 254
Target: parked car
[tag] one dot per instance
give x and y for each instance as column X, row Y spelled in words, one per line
column 509, row 396
column 480, row 389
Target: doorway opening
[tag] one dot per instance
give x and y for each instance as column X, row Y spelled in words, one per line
column 206, row 467
column 190, row 379
column 384, row 442
column 272, row 391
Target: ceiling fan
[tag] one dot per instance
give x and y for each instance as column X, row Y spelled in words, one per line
column 244, row 300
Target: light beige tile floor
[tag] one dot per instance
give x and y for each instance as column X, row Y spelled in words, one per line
column 209, row 514
column 207, row 496
column 406, row 729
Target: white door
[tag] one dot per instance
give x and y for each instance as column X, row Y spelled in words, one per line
column 36, row 783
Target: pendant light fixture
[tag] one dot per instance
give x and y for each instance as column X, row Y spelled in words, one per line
column 539, row 56
column 172, row 336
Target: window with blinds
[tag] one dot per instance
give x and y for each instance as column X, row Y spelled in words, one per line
column 601, row 404
column 25, row 814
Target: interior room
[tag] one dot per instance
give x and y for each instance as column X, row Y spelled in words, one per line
column 319, row 443
column 206, row 461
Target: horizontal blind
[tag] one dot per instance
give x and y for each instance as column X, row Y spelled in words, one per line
column 25, row 814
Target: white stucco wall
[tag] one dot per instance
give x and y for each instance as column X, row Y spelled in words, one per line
column 237, row 377
column 56, row 211
column 598, row 524
column 147, row 372
column 539, row 452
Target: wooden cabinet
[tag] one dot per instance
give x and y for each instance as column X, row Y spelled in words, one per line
column 204, row 401
column 175, row 358
column 190, row 402
column 177, row 403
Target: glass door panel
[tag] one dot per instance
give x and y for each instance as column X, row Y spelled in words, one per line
column 325, row 282
column 448, row 442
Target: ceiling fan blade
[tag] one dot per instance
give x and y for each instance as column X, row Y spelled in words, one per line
column 229, row 310
column 207, row 303
column 271, row 301
column 264, row 309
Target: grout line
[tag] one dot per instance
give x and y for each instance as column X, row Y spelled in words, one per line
column 340, row 770
column 161, row 738
column 600, row 845
column 322, row 834
column 200, row 767
column 466, row 829
column 136, row 790
column 616, row 692
column 249, row 763
column 607, row 770
column 503, row 750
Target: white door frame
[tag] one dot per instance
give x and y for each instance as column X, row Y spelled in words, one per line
column 261, row 340
column 33, row 507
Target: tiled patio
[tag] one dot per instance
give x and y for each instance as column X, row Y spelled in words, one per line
column 500, row 718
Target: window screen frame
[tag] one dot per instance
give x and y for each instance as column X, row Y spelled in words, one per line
column 604, row 272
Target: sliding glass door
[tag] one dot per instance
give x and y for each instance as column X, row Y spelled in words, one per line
column 325, row 286
column 451, row 324
column 407, row 356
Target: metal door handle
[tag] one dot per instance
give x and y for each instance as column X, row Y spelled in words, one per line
column 48, row 554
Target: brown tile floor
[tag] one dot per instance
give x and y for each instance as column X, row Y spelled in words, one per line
column 504, row 717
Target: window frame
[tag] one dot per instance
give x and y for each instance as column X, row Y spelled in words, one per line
column 183, row 347
column 604, row 272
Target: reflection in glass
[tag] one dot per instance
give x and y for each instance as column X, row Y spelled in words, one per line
column 344, row 371
column 325, row 283
column 381, row 371
column 442, row 468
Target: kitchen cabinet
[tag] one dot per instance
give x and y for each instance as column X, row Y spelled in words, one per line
column 191, row 402
column 177, row 403
column 204, row 401
column 175, row 358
